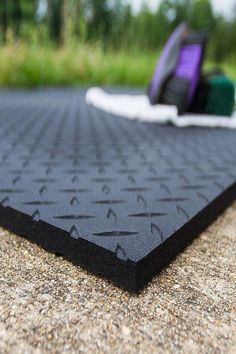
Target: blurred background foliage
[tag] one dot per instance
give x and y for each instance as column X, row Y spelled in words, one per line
column 54, row 42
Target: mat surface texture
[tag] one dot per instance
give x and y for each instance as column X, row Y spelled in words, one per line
column 117, row 197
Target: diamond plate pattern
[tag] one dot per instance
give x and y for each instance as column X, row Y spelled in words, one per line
column 118, row 197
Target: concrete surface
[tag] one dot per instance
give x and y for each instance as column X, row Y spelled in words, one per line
column 48, row 305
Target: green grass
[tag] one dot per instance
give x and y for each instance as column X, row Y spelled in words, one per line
column 24, row 65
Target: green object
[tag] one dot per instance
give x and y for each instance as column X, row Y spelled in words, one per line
column 221, row 96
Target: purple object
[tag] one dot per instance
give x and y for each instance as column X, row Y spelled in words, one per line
column 167, row 62
column 188, row 66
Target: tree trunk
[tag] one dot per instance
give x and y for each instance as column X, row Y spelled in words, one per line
column 17, row 17
column 3, row 4
column 55, row 20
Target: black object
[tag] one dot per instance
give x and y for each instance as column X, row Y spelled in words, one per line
column 117, row 197
column 199, row 102
column 180, row 87
column 175, row 91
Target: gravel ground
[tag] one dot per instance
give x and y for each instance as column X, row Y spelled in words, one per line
column 48, row 305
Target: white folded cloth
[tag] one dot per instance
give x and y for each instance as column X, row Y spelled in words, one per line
column 138, row 107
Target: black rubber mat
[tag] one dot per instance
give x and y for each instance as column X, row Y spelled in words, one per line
column 117, row 197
